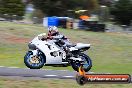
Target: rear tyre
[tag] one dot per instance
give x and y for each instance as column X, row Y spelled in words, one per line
column 87, row 63
column 36, row 64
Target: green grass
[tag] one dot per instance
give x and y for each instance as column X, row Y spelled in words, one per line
column 53, row 83
column 110, row 52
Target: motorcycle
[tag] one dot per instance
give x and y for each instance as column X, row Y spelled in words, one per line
column 43, row 51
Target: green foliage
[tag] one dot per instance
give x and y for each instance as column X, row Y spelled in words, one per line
column 12, row 7
column 110, row 52
column 92, row 4
column 123, row 11
column 106, row 2
column 60, row 7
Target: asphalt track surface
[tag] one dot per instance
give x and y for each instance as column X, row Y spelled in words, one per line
column 37, row 73
column 41, row 73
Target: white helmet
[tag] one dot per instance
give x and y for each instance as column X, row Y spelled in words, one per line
column 53, row 28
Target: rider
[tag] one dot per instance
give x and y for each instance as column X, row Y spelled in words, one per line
column 62, row 41
column 53, row 33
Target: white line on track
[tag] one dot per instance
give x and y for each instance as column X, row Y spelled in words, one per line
column 40, row 69
column 9, row 67
column 68, row 76
column 26, row 68
column 63, row 70
column 2, row 66
column 46, row 69
column 29, row 68
column 50, row 75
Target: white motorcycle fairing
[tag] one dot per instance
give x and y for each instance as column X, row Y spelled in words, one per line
column 48, row 48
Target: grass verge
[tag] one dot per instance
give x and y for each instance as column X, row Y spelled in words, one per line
column 53, row 83
column 110, row 52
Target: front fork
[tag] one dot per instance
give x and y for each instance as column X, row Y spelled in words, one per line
column 34, row 57
column 35, row 52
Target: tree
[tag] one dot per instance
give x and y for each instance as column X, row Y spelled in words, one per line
column 55, row 7
column 12, row 7
column 92, row 4
column 60, row 7
column 122, row 10
column 106, row 2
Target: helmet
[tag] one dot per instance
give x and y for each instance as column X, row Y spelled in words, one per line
column 53, row 28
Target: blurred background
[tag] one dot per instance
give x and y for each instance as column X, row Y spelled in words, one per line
column 93, row 15
column 111, row 21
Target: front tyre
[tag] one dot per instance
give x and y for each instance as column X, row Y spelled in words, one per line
column 87, row 64
column 34, row 62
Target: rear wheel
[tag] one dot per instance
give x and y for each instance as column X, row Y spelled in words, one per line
column 87, row 64
column 33, row 62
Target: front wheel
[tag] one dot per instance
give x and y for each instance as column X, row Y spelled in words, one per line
column 87, row 63
column 34, row 62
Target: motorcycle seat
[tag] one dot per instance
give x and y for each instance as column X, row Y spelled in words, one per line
column 81, row 45
column 71, row 45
